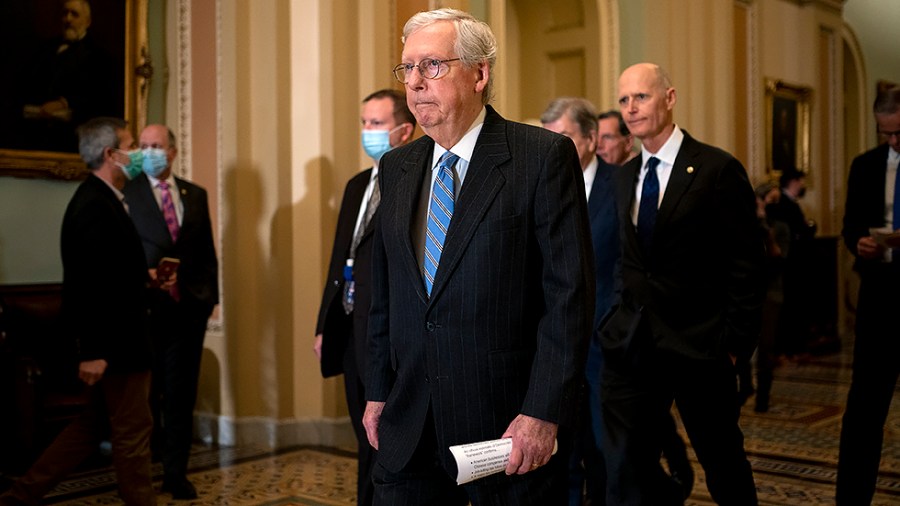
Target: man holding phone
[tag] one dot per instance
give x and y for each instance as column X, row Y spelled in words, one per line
column 172, row 218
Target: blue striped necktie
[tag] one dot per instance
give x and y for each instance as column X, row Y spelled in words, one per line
column 440, row 211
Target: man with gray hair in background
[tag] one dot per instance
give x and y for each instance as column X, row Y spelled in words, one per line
column 482, row 284
column 104, row 307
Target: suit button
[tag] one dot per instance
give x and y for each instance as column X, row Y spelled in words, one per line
column 336, row 282
column 427, row 379
column 430, row 326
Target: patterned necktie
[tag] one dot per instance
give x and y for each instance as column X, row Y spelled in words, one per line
column 440, row 211
column 168, row 209
column 350, row 284
column 649, row 205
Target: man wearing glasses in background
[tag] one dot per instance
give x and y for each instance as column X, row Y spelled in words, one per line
column 482, row 284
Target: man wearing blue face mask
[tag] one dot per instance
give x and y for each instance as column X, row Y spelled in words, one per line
column 343, row 315
column 172, row 218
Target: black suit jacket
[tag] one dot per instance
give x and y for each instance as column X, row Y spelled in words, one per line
column 104, row 280
column 865, row 206
column 198, row 273
column 604, row 237
column 338, row 328
column 698, row 292
column 506, row 327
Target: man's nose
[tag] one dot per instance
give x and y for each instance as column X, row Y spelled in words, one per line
column 414, row 79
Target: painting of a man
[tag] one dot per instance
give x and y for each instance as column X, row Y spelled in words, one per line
column 70, row 72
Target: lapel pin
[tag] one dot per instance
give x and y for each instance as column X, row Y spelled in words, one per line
column 184, row 192
column 690, row 170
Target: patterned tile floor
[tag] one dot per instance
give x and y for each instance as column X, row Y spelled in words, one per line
column 792, row 448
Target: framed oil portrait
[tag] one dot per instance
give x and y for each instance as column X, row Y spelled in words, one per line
column 73, row 60
column 787, row 127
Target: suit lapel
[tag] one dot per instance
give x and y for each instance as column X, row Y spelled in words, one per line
column 683, row 172
column 484, row 179
column 415, row 167
column 627, row 188
column 144, row 200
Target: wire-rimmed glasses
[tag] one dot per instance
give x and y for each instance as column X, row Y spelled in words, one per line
column 429, row 68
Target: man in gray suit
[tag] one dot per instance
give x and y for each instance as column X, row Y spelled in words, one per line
column 482, row 284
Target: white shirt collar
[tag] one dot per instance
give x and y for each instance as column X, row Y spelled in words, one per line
column 466, row 146
column 590, row 173
column 669, row 151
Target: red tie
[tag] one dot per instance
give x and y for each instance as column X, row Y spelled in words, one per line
column 168, row 209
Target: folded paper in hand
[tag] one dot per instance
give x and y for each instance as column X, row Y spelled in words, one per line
column 477, row 460
column 885, row 236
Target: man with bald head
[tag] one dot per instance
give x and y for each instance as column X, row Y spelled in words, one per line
column 688, row 307
column 171, row 215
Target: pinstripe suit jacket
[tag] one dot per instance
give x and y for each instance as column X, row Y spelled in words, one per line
column 506, row 327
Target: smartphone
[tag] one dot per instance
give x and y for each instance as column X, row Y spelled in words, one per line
column 166, row 268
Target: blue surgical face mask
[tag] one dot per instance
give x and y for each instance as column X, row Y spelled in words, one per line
column 155, row 161
column 377, row 142
column 135, row 162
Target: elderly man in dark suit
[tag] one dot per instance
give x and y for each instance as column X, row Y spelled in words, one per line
column 341, row 328
column 171, row 215
column 873, row 203
column 689, row 304
column 482, row 284
column 105, row 308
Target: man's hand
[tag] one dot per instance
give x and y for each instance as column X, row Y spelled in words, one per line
column 163, row 284
column 867, row 248
column 532, row 443
column 317, row 347
column 370, row 421
column 91, row 371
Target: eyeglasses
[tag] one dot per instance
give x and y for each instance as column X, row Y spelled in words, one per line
column 429, row 68
column 889, row 134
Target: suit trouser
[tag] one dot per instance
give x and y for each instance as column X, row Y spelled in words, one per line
column 356, row 405
column 423, row 481
column 875, row 372
column 122, row 399
column 636, row 403
column 587, row 468
column 178, row 335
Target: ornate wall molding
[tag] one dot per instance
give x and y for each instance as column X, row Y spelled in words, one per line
column 183, row 86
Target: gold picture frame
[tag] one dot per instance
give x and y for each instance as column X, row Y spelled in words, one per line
column 788, row 111
column 118, row 37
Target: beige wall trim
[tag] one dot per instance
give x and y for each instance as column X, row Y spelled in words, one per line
column 273, row 433
column 183, row 82
column 755, row 91
column 849, row 37
column 834, row 5
column 610, row 66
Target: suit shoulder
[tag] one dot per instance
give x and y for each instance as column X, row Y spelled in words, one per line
column 360, row 178
column 184, row 183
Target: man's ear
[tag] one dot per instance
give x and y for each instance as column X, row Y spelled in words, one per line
column 484, row 74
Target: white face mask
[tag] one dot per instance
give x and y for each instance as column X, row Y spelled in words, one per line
column 377, row 142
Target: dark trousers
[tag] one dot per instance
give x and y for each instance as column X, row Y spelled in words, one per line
column 118, row 404
column 356, row 404
column 636, row 405
column 177, row 347
column 875, row 371
column 425, row 482
column 587, row 468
